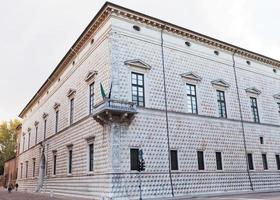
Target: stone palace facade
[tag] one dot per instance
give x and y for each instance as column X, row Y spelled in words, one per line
column 205, row 113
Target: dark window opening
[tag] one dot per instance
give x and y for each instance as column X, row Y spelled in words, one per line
column 36, row 134
column 264, row 159
column 219, row 161
column 137, row 28
column 277, row 161
column 91, row 98
column 200, row 159
column 56, row 121
column 261, row 140
column 45, row 128
column 90, row 157
column 134, row 159
column 174, row 160
column 250, row 161
column 54, row 164
column 34, row 167
column 70, row 154
column 71, row 111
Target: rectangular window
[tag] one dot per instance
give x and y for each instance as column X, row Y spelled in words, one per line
column 219, row 161
column 191, row 99
column 250, row 161
column 33, row 167
column 264, row 159
column 71, row 111
column 23, row 142
column 45, row 128
column 138, row 96
column 36, row 135
column 70, row 155
column 134, row 159
column 21, row 169
column 221, row 104
column 277, row 161
column 174, row 160
column 200, row 159
column 54, row 164
column 91, row 97
column 56, row 121
column 26, row 169
column 29, row 134
column 90, row 157
column 278, row 104
column 261, row 140
column 254, row 108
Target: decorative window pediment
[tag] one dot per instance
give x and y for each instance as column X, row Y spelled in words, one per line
column 138, row 63
column 29, row 129
column 36, row 123
column 220, row 83
column 253, row 90
column 71, row 92
column 69, row 146
column 191, row 76
column 91, row 76
column 89, row 138
column 277, row 96
column 45, row 115
column 56, row 106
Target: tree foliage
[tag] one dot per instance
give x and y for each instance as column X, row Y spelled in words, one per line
column 7, row 141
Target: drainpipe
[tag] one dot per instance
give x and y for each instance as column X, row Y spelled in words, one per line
column 241, row 118
column 166, row 112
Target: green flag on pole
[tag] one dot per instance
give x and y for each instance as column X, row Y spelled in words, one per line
column 103, row 94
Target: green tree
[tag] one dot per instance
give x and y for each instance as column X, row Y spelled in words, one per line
column 7, row 141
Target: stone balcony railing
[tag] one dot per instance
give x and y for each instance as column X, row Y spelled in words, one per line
column 110, row 110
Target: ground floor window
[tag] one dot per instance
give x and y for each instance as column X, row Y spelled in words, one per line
column 174, row 160
column 90, row 157
column 200, row 159
column 134, row 159
column 219, row 161
column 250, row 161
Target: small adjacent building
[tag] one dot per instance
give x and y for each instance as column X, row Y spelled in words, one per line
column 204, row 113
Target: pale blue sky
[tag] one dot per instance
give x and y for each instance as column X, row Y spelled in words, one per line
column 36, row 34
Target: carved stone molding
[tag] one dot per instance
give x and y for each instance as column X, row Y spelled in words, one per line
column 56, row 106
column 91, row 75
column 71, row 92
column 138, row 63
column 253, row 90
column 220, row 83
column 191, row 76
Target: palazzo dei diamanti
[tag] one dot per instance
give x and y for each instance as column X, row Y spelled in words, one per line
column 205, row 114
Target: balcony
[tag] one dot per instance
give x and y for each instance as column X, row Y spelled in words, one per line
column 110, row 110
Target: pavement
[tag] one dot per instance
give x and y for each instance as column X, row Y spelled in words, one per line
column 4, row 195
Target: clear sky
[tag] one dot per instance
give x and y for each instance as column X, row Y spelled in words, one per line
column 36, row 34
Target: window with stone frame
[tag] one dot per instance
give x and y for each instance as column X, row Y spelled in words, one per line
column 137, row 83
column 254, row 109
column 71, row 111
column 90, row 156
column 29, row 136
column 70, row 160
column 221, row 104
column 278, row 105
column 45, row 128
column 56, row 120
column 191, row 99
column 33, row 167
column 26, row 169
column 21, row 169
column 36, row 134
column 91, row 97
column 54, row 162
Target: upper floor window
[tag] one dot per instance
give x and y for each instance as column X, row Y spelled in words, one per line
column 29, row 136
column 23, row 142
column 36, row 134
column 254, row 109
column 138, row 96
column 45, row 128
column 191, row 99
column 221, row 104
column 71, row 111
column 174, row 159
column 56, row 120
column 91, row 97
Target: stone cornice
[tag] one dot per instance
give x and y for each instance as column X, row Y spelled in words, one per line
column 109, row 9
